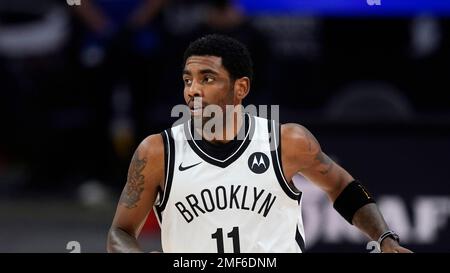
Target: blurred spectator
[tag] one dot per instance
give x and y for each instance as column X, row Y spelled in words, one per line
column 33, row 37
column 180, row 18
column 121, row 53
column 187, row 20
column 429, row 63
column 426, row 36
column 131, row 25
column 225, row 17
column 296, row 46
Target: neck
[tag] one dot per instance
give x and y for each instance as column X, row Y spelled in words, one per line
column 220, row 135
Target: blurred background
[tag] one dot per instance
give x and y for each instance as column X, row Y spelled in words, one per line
column 82, row 82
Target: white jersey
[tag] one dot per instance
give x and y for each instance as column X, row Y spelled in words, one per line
column 229, row 199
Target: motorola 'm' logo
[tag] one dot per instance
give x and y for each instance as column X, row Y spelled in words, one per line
column 258, row 162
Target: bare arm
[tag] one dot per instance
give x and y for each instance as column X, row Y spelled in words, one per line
column 145, row 176
column 301, row 152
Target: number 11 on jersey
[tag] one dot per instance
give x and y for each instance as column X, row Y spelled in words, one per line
column 234, row 234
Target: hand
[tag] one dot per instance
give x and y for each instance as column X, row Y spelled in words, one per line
column 389, row 245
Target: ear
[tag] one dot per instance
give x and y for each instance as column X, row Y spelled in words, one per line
column 241, row 87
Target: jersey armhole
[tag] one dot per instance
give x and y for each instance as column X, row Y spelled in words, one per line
column 169, row 161
column 275, row 151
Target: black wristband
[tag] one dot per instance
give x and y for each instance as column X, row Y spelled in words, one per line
column 353, row 197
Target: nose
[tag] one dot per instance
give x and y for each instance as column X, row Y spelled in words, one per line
column 195, row 90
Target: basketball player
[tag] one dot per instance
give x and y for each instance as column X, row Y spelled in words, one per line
column 213, row 192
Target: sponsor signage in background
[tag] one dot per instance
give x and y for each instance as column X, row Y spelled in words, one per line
column 405, row 173
column 347, row 7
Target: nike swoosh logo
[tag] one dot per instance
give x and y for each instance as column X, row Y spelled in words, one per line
column 181, row 168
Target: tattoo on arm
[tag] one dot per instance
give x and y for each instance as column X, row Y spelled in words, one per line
column 326, row 164
column 135, row 182
column 310, row 139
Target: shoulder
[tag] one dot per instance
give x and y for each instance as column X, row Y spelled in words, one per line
column 149, row 158
column 298, row 143
column 294, row 130
column 298, row 135
column 152, row 147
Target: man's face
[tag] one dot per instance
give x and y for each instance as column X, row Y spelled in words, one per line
column 205, row 77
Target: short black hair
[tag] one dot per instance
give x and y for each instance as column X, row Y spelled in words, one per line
column 235, row 56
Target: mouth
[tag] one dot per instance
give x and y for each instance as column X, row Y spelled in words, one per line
column 196, row 110
column 196, row 107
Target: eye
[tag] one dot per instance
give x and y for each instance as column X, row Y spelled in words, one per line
column 187, row 81
column 209, row 79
